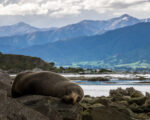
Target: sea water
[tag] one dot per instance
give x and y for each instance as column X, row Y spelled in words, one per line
column 102, row 88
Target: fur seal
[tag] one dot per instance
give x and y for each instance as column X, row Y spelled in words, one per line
column 48, row 84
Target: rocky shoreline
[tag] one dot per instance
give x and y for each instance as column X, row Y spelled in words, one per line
column 103, row 77
column 121, row 104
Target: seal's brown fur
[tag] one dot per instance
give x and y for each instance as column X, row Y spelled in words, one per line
column 47, row 83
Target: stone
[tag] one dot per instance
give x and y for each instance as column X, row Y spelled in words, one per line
column 142, row 116
column 12, row 110
column 49, row 106
column 5, row 82
column 105, row 113
column 95, row 106
column 125, row 92
column 135, row 108
column 5, row 78
column 88, row 100
column 103, row 100
column 147, row 95
column 138, row 101
column 137, row 94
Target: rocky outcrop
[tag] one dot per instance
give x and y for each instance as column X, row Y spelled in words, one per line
column 121, row 104
column 12, row 110
column 34, row 107
column 50, row 106
column 5, row 78
column 102, row 108
column 89, row 78
column 5, row 82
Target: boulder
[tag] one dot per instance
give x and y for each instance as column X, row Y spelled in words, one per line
column 5, row 78
column 138, row 101
column 50, row 106
column 135, row 108
column 12, row 110
column 102, row 100
column 146, row 106
column 5, row 82
column 105, row 113
column 147, row 95
column 125, row 92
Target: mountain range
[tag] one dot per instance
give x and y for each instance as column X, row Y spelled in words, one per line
column 116, row 43
column 17, row 29
column 84, row 28
column 117, row 48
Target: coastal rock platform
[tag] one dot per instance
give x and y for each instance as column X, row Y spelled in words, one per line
column 121, row 104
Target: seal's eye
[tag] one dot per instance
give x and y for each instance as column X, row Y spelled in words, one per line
column 78, row 99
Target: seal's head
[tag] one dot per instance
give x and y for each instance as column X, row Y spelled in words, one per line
column 74, row 95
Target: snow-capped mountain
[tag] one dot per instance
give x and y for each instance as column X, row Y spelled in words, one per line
column 34, row 36
column 17, row 29
column 91, row 27
column 123, row 47
column 146, row 20
column 122, row 21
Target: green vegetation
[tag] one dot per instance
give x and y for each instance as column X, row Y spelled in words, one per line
column 18, row 63
column 113, row 64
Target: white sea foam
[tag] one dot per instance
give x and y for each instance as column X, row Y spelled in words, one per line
column 103, row 90
column 113, row 76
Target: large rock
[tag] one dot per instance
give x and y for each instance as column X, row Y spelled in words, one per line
column 5, row 82
column 50, row 106
column 125, row 92
column 5, row 78
column 138, row 101
column 105, row 113
column 12, row 110
column 33, row 107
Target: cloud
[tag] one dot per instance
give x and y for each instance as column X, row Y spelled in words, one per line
column 46, row 13
column 58, row 8
column 127, row 4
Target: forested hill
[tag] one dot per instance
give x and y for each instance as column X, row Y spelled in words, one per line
column 17, row 63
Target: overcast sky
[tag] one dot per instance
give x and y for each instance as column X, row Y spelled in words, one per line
column 50, row 13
